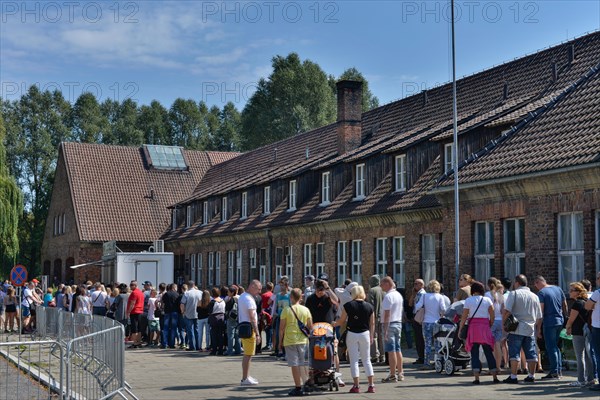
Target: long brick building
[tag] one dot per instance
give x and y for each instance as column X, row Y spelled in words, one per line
column 373, row 192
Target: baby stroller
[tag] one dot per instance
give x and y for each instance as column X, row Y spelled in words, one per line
column 321, row 369
column 449, row 358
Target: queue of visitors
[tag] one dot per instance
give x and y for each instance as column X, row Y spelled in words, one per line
column 511, row 325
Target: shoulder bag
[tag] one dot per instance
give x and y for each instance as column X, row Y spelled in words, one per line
column 511, row 323
column 464, row 332
column 303, row 328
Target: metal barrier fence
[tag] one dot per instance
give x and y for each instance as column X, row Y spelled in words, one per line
column 77, row 356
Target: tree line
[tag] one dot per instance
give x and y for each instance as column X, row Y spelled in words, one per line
column 297, row 96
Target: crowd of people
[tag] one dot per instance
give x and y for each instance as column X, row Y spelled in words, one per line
column 505, row 320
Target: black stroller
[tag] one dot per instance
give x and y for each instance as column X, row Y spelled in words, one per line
column 320, row 360
column 450, row 357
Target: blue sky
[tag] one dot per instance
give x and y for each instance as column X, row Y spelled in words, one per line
column 216, row 51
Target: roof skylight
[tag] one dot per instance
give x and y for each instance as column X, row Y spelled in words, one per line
column 166, row 157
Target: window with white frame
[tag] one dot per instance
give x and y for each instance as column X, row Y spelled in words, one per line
column 238, row 266
column 262, row 268
column 320, row 262
column 292, row 196
column 230, row 260
column 448, row 158
column 484, row 250
column 342, row 261
column 217, row 268
column 325, row 188
column 428, row 257
column 199, row 270
column 360, row 181
column 267, row 200
column 56, row 225
column 357, row 261
column 597, row 241
column 514, row 247
column 289, row 263
column 193, row 267
column 308, row 259
column 188, row 216
column 252, row 258
column 398, row 258
column 211, row 268
column 224, row 210
column 381, row 257
column 278, row 262
column 570, row 249
column 204, row 212
column 400, row 171
column 244, row 207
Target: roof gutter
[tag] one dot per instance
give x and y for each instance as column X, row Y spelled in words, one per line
column 538, row 174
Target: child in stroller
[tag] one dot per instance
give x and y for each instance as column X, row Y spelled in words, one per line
column 321, row 365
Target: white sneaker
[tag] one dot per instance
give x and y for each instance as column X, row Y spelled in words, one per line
column 249, row 381
column 577, row 384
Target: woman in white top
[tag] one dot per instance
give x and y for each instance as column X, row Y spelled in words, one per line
column 479, row 310
column 435, row 306
column 496, row 294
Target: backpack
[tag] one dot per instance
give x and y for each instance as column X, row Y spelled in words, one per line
column 233, row 313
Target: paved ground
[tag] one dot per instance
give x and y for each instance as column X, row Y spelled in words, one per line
column 177, row 374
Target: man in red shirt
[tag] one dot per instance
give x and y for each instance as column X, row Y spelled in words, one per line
column 135, row 308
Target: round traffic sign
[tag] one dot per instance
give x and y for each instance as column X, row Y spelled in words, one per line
column 18, row 275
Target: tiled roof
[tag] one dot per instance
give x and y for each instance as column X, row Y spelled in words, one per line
column 567, row 133
column 115, row 195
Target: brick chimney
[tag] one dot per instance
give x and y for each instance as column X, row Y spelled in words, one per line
column 349, row 115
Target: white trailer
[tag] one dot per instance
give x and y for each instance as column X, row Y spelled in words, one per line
column 146, row 266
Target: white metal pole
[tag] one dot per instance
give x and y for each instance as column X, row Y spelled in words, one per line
column 455, row 156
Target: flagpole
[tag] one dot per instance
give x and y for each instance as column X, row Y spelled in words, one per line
column 455, row 156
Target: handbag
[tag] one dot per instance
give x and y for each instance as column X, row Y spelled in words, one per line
column 464, row 332
column 245, row 330
column 420, row 316
column 303, row 328
column 511, row 323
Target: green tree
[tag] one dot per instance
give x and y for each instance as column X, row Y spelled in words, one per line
column 126, row 130
column 88, row 122
column 227, row 138
column 153, row 121
column 39, row 124
column 11, row 206
column 187, row 124
column 110, row 111
column 296, row 97
column 368, row 100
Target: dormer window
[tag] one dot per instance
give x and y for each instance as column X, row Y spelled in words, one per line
column 360, row 181
column 188, row 219
column 448, row 158
column 325, row 188
column 292, row 196
column 224, row 209
column 174, row 219
column 244, row 208
column 267, row 200
column 205, row 213
column 400, row 173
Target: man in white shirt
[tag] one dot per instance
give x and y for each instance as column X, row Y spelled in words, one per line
column 247, row 313
column 592, row 304
column 391, row 320
column 525, row 306
column 29, row 299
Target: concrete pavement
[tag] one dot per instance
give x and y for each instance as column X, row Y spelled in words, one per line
column 179, row 374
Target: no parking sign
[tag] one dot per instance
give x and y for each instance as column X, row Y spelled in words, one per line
column 18, row 275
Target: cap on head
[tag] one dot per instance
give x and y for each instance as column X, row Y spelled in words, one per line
column 147, row 283
column 309, row 278
column 323, row 277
